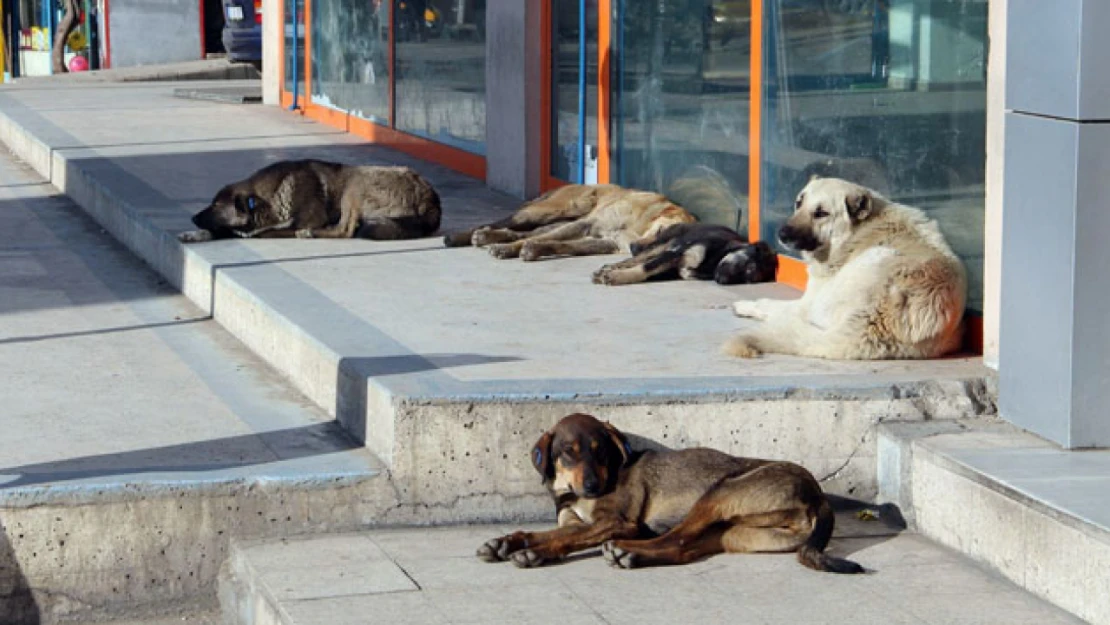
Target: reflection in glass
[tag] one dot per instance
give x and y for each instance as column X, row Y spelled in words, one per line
column 350, row 57
column 296, row 48
column 680, row 102
column 565, row 91
column 440, row 65
column 890, row 94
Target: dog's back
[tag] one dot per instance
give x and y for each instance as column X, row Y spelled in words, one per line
column 398, row 195
column 628, row 215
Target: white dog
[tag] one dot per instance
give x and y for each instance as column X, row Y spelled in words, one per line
column 883, row 283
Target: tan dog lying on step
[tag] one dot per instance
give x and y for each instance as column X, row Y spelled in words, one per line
column 576, row 220
column 652, row 508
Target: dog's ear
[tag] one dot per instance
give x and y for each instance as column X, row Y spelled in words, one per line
column 620, row 441
column 541, row 457
column 859, row 205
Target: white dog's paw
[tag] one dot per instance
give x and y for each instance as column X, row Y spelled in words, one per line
column 740, row 347
column 194, row 236
column 748, row 308
column 304, row 233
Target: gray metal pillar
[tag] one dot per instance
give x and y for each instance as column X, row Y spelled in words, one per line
column 1054, row 344
column 513, row 69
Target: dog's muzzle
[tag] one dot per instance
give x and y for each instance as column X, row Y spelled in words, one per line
column 803, row 241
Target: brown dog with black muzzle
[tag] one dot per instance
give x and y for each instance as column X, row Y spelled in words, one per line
column 668, row 507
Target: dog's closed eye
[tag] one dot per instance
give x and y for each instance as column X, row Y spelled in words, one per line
column 820, row 213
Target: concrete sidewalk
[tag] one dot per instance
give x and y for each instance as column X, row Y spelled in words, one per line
column 431, row 577
column 138, row 436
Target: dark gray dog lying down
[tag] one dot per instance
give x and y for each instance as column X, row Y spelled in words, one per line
column 317, row 199
column 694, row 252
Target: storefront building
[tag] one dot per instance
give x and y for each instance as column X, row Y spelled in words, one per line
column 112, row 33
column 726, row 106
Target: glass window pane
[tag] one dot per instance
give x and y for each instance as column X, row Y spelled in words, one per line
column 565, row 90
column 681, row 103
column 890, row 94
column 441, row 71
column 294, row 47
column 350, row 57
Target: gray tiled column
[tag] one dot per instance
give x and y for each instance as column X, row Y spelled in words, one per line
column 1054, row 344
column 513, row 69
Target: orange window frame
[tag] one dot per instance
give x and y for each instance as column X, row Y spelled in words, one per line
column 464, row 162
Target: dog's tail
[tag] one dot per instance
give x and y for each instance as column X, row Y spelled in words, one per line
column 812, row 553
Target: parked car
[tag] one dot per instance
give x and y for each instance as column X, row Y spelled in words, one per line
column 242, row 35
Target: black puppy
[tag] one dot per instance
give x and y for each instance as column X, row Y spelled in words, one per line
column 694, row 252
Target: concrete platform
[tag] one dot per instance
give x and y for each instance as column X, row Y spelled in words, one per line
column 447, row 363
column 1033, row 512
column 432, row 576
column 137, row 437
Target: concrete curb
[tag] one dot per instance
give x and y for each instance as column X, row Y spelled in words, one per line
column 216, row 69
column 1042, row 547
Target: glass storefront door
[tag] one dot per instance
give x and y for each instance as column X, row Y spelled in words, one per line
column 890, row 94
column 681, row 103
column 415, row 66
column 574, row 93
column 293, row 50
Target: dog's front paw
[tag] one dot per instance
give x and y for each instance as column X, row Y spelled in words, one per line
column 526, row 559
column 604, row 276
column 502, row 250
column 619, row 557
column 740, row 347
column 481, row 237
column 531, row 251
column 304, row 233
column 748, row 308
column 494, row 550
column 194, row 236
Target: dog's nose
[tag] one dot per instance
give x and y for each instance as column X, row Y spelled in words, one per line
column 591, row 486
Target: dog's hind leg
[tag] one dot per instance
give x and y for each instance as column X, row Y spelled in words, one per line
column 343, row 229
column 465, row 238
column 562, row 232
column 536, row 249
column 384, row 229
column 707, row 535
column 653, row 262
column 734, row 517
column 488, row 236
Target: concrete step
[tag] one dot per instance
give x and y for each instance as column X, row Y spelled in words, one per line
column 1035, row 513
column 432, row 577
column 445, row 363
column 137, row 437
